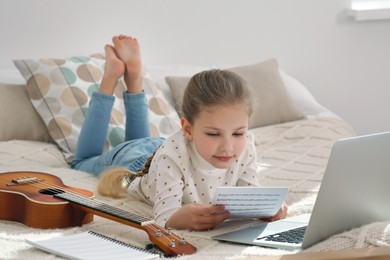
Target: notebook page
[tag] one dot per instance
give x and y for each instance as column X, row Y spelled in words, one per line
column 91, row 245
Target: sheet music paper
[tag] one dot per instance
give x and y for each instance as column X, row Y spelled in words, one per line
column 91, row 245
column 250, row 202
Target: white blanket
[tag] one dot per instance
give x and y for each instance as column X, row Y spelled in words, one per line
column 292, row 154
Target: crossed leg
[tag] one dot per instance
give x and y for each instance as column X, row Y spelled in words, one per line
column 124, row 58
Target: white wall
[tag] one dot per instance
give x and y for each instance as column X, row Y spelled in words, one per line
column 345, row 64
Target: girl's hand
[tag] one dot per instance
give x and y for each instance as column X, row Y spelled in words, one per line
column 197, row 217
column 282, row 213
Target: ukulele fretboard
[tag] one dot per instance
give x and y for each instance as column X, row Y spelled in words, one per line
column 104, row 208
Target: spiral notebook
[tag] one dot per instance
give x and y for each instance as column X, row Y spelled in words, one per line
column 91, row 245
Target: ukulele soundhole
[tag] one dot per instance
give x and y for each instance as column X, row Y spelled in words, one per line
column 51, row 191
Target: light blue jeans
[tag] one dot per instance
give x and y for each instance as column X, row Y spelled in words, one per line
column 138, row 145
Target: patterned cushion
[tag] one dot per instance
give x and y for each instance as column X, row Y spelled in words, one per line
column 60, row 91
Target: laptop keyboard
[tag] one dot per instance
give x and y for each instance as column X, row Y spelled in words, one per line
column 294, row 236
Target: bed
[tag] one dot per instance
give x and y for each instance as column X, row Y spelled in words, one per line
column 42, row 106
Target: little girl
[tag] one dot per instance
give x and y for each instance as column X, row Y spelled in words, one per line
column 177, row 176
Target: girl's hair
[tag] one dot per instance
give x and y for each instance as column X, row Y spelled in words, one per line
column 114, row 181
column 212, row 88
column 208, row 88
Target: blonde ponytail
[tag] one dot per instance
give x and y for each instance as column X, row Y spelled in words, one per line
column 114, row 181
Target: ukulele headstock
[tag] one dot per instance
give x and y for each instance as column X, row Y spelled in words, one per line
column 167, row 241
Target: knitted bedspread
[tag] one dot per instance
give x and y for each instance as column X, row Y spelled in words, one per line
column 292, row 154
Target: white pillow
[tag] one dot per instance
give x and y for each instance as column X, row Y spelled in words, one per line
column 302, row 97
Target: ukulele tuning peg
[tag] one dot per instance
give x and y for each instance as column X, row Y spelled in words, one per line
column 158, row 233
column 168, row 231
column 172, row 243
column 182, row 241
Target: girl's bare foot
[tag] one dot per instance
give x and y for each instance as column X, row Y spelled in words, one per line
column 128, row 50
column 113, row 70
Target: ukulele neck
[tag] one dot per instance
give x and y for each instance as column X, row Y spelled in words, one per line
column 105, row 210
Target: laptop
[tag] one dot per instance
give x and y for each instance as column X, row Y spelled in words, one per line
column 354, row 191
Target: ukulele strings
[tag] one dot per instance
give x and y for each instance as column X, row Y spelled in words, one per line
column 56, row 189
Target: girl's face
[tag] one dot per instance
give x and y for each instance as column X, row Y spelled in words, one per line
column 219, row 133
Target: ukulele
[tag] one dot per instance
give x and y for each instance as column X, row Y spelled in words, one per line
column 41, row 200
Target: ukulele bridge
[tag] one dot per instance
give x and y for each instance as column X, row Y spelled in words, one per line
column 24, row 180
